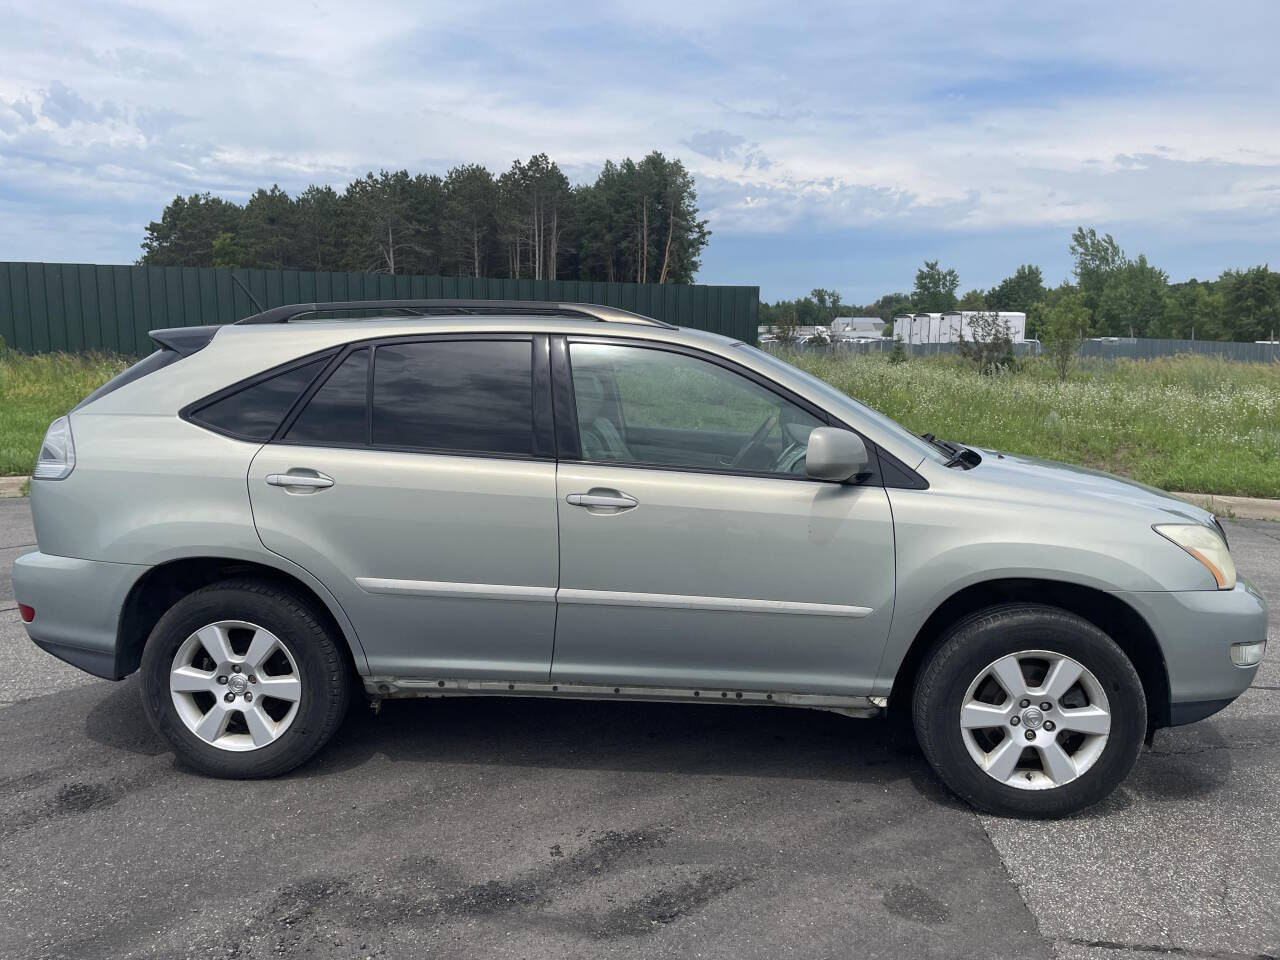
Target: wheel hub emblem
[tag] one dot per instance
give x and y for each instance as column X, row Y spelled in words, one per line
column 238, row 683
column 1032, row 718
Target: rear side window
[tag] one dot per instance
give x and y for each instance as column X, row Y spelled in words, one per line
column 337, row 414
column 254, row 412
column 472, row 396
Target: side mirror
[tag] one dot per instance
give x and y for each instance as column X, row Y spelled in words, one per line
column 835, row 454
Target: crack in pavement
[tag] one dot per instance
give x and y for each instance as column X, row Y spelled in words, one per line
column 1167, row 951
column 1008, row 875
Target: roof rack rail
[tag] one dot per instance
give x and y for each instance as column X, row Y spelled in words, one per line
column 591, row 311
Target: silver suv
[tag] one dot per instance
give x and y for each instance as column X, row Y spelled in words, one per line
column 564, row 500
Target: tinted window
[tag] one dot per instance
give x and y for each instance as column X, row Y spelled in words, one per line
column 335, row 414
column 254, row 412
column 465, row 395
column 638, row 405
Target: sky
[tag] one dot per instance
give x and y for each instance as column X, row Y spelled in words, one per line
column 833, row 145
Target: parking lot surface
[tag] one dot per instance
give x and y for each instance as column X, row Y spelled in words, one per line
column 525, row 828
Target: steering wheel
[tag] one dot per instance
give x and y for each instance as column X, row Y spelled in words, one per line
column 756, row 440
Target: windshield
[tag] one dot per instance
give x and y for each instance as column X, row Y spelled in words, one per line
column 856, row 409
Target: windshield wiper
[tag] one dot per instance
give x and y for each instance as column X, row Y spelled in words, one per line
column 958, row 456
column 948, row 448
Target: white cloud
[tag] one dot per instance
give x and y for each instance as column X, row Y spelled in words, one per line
column 955, row 118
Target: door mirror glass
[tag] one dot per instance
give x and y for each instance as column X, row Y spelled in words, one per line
column 835, row 454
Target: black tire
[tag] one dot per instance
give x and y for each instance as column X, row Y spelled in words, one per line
column 322, row 668
column 978, row 641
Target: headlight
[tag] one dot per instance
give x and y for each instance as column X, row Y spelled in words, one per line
column 57, row 454
column 1205, row 545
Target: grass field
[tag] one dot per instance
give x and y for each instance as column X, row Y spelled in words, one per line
column 1197, row 424
column 1184, row 423
column 35, row 390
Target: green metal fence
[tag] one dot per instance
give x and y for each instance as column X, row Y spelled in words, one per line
column 77, row 307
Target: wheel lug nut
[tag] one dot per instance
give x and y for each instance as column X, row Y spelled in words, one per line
column 1048, row 724
column 252, row 678
column 1025, row 704
column 222, row 679
column 1014, row 721
column 1046, row 705
column 248, row 696
column 230, row 698
column 235, row 668
column 1031, row 734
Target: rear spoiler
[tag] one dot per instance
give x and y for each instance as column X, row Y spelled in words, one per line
column 184, row 341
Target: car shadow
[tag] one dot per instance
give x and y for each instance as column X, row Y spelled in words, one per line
column 713, row 740
column 707, row 740
column 719, row 741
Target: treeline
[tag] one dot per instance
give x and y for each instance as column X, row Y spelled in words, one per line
column 1112, row 295
column 638, row 222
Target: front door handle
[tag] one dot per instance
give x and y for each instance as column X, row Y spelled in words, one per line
column 612, row 498
column 314, row 482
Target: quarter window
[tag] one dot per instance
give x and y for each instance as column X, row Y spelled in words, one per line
column 472, row 396
column 647, row 406
column 254, row 412
column 337, row 414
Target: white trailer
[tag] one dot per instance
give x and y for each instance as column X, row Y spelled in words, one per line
column 919, row 328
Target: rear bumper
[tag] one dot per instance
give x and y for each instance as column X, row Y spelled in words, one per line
column 1196, row 630
column 77, row 605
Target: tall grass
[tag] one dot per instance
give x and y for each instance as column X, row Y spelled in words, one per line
column 36, row 389
column 1199, row 424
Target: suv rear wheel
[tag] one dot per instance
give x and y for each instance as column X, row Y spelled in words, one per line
column 244, row 680
column 1028, row 710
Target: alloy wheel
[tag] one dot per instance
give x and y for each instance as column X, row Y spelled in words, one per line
column 1035, row 719
column 235, row 685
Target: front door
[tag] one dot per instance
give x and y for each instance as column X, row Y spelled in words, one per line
column 418, row 484
column 694, row 550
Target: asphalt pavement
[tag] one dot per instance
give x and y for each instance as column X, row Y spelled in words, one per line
column 525, row 828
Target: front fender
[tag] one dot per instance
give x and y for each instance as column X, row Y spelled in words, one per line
column 946, row 544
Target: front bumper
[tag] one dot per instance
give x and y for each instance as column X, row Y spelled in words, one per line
column 1195, row 630
column 77, row 605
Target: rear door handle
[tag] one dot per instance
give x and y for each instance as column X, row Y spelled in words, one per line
column 317, row 482
column 614, row 499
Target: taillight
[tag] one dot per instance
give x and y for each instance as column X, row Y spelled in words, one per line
column 26, row 613
column 58, row 452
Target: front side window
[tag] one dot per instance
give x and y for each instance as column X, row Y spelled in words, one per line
column 471, row 396
column 254, row 412
column 646, row 406
column 853, row 410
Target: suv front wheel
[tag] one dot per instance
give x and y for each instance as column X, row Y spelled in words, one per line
column 1028, row 710
column 244, row 680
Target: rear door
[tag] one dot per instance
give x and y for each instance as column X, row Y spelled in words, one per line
column 417, row 481
column 694, row 550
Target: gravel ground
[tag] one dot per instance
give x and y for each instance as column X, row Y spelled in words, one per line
column 531, row 829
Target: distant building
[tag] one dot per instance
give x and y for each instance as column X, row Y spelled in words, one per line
column 952, row 327
column 801, row 333
column 847, row 327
